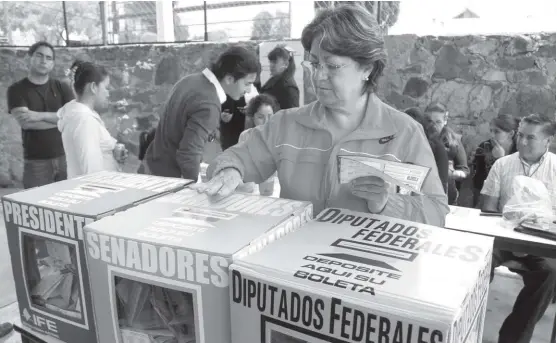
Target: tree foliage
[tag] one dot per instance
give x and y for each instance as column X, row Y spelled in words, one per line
column 389, row 11
column 33, row 21
column 266, row 26
column 143, row 13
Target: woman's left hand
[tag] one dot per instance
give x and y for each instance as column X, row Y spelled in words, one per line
column 373, row 189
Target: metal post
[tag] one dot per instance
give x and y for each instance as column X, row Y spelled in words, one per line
column 66, row 23
column 104, row 22
column 205, row 20
column 379, row 13
column 289, row 19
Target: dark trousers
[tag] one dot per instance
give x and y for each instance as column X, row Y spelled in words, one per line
column 143, row 168
column 532, row 301
column 38, row 173
column 452, row 192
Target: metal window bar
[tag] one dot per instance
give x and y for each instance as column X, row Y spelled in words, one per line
column 207, row 23
column 71, row 23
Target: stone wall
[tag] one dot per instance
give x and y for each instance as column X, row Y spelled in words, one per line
column 141, row 78
column 476, row 77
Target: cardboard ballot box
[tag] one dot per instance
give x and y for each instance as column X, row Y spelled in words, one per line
column 356, row 277
column 45, row 225
column 159, row 271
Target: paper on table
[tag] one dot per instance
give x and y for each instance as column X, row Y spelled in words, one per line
column 409, row 177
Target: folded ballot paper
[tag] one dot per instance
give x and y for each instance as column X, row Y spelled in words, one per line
column 44, row 226
column 159, row 271
column 357, row 277
column 403, row 177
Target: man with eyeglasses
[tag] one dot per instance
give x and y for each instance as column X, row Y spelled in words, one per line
column 534, row 160
column 34, row 101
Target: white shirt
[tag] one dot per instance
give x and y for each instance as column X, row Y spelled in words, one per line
column 87, row 143
column 500, row 179
column 213, row 79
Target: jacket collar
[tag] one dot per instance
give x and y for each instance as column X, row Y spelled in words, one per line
column 377, row 122
column 213, row 79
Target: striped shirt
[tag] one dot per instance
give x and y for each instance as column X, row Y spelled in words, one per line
column 499, row 182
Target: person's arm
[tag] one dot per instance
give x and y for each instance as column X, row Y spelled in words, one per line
column 491, row 190
column 430, row 208
column 442, row 161
column 27, row 119
column 291, row 97
column 31, row 120
column 50, row 118
column 199, row 125
column 461, row 170
column 87, row 147
column 254, row 158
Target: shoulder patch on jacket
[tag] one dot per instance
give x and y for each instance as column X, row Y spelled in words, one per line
column 386, row 140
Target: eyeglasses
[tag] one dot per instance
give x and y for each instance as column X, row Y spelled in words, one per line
column 331, row 68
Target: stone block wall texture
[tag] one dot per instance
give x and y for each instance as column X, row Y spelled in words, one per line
column 476, row 77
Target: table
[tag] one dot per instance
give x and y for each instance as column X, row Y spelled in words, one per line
column 469, row 220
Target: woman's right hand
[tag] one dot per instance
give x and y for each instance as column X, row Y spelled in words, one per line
column 497, row 151
column 222, row 184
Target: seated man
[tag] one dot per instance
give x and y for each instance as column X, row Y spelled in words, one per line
column 534, row 160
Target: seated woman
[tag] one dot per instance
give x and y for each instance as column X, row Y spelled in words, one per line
column 503, row 130
column 88, row 145
column 437, row 117
column 437, row 147
column 259, row 111
column 346, row 59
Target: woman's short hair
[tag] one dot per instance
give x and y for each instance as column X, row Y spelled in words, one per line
column 280, row 51
column 261, row 100
column 85, row 73
column 236, row 61
column 506, row 122
column 351, row 31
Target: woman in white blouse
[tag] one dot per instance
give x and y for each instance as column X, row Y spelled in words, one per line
column 88, row 145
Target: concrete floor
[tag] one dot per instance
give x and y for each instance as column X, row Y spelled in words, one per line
column 503, row 291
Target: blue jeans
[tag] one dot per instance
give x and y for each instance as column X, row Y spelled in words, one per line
column 38, row 173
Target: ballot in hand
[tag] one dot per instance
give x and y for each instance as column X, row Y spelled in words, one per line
column 226, row 116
